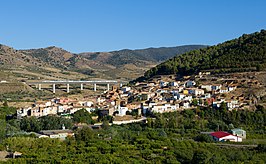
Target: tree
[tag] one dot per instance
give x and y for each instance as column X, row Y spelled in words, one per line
column 223, row 107
column 194, row 102
column 2, row 129
column 203, row 138
column 201, row 156
column 31, row 124
column 82, row 116
column 55, row 122
column 84, row 134
column 105, row 124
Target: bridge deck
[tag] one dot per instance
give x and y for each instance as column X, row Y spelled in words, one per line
column 76, row 82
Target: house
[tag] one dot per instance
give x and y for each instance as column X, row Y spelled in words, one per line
column 216, row 87
column 190, row 83
column 207, row 87
column 126, row 89
column 144, row 108
column 174, row 84
column 196, row 91
column 22, row 112
column 206, row 96
column 185, row 91
column 179, row 96
column 122, row 110
column 159, row 109
column 186, row 105
column 188, row 98
column 223, row 90
column 61, row 134
column 225, row 136
column 239, row 132
column 163, row 83
column 88, row 103
column 231, row 88
column 232, row 104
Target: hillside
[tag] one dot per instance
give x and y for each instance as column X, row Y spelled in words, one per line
column 55, row 56
column 124, row 64
column 126, row 56
column 21, row 65
column 129, row 64
column 56, row 63
column 246, row 53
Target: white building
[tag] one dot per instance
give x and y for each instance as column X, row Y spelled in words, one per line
column 174, row 84
column 207, row 87
column 125, row 89
column 232, row 104
column 224, row 136
column 122, row 110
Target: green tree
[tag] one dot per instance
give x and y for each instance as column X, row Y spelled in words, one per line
column 30, row 124
column 2, row 129
column 84, row 134
column 82, row 116
column 203, row 138
column 202, row 156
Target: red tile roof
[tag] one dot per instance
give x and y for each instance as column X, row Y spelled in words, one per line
column 220, row 134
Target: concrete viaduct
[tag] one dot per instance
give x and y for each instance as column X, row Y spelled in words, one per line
column 81, row 83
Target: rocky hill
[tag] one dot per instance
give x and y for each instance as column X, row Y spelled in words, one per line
column 57, row 63
column 128, row 64
column 54, row 56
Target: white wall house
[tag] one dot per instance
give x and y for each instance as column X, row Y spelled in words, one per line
column 122, row 110
column 232, row 104
column 224, row 136
column 125, row 89
column 207, row 87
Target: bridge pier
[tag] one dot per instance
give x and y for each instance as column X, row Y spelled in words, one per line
column 95, row 87
column 40, row 86
column 108, row 86
column 67, row 88
column 53, row 88
column 81, row 86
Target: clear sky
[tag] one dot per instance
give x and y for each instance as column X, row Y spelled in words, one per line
column 105, row 25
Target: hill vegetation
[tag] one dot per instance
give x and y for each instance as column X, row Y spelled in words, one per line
column 126, row 56
column 246, row 53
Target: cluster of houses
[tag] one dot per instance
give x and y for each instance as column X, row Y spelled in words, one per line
column 56, row 106
column 166, row 95
column 158, row 95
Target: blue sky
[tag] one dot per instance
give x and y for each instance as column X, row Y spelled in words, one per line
column 105, row 25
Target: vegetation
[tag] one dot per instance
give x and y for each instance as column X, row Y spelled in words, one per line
column 82, row 116
column 247, row 53
column 170, row 138
column 126, row 56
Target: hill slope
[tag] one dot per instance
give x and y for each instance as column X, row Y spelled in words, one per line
column 126, row 56
column 245, row 53
column 124, row 64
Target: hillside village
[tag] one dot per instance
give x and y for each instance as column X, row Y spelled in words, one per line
column 162, row 94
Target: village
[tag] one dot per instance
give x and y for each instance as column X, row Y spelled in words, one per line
column 156, row 96
column 131, row 103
